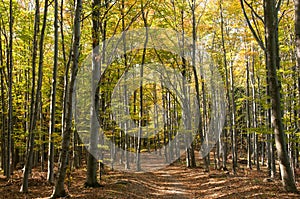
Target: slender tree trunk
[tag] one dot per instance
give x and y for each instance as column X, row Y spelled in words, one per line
column 297, row 33
column 254, row 108
column 3, row 110
column 228, row 91
column 249, row 144
column 199, row 128
column 59, row 190
column 2, row 107
column 10, row 97
column 66, row 71
column 50, row 175
column 141, row 115
column 234, row 132
column 91, row 180
column 126, row 125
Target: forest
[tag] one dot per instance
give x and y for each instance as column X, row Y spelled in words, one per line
column 149, row 99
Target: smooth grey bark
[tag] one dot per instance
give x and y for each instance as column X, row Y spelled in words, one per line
column 3, row 121
column 199, row 128
column 297, row 38
column 233, row 113
column 91, row 178
column 249, row 145
column 141, row 108
column 10, row 97
column 254, row 111
column 126, row 100
column 50, row 174
column 59, row 189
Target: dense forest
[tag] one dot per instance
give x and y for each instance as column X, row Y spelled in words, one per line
column 95, row 87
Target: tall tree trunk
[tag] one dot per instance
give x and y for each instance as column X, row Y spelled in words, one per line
column 233, row 113
column 126, row 124
column 297, row 33
column 199, row 127
column 50, row 175
column 249, row 145
column 141, row 108
column 59, row 190
column 91, row 178
column 4, row 163
column 228, row 90
column 10, row 100
column 254, row 108
column 284, row 163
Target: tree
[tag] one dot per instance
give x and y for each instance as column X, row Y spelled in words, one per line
column 229, row 95
column 91, row 177
column 297, row 33
column 272, row 52
column 141, row 108
column 50, row 174
column 59, row 189
column 10, row 97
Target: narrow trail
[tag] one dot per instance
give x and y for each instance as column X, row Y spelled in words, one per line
column 177, row 181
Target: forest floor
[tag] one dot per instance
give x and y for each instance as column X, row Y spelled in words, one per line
column 174, row 181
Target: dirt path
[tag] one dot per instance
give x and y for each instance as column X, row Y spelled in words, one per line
column 171, row 182
column 179, row 182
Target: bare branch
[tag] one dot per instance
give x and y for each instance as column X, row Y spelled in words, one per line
column 254, row 12
column 259, row 41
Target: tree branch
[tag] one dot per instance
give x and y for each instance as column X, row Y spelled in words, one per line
column 259, row 41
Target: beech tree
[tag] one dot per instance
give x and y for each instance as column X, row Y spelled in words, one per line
column 271, row 9
column 50, row 174
column 91, row 180
column 59, row 189
column 10, row 97
column 297, row 33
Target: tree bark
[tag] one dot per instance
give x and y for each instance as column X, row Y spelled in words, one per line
column 59, row 190
column 297, row 33
column 10, row 97
column 141, row 108
column 91, row 178
column 284, row 163
column 3, row 163
column 199, row 128
column 50, row 174
column 228, row 89
column 249, row 145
